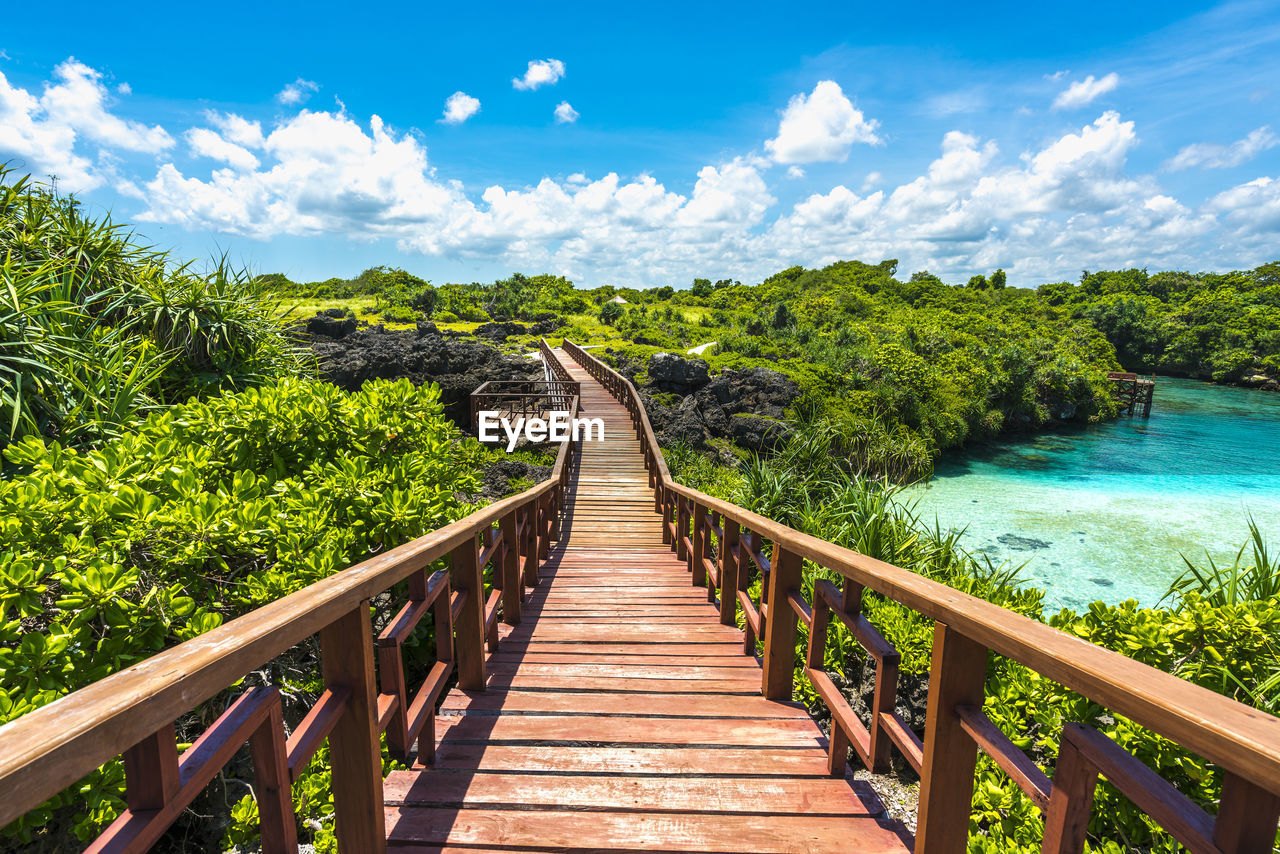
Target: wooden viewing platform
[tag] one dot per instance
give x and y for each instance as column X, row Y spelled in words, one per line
column 1133, row 391
column 606, row 699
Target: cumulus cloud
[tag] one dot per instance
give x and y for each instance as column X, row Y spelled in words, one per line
column 459, row 107
column 297, row 92
column 207, row 143
column 322, row 173
column 1083, row 92
column 820, row 127
column 565, row 114
column 74, row 107
column 1208, row 155
column 541, row 72
column 1253, row 208
column 237, row 128
column 1068, row 202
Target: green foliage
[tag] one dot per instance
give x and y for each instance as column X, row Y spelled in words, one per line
column 611, row 312
column 1257, row 580
column 1223, row 634
column 96, row 329
column 1221, row 326
column 204, row 512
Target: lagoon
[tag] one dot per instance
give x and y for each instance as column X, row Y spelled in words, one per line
column 1104, row 512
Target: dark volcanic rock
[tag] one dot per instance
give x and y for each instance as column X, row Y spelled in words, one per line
column 498, row 476
column 500, row 331
column 332, row 323
column 758, row 434
column 545, row 324
column 744, row 405
column 672, row 373
column 422, row 355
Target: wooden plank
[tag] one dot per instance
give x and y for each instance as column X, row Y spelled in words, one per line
column 622, row 792
column 603, row 831
column 600, row 703
column 536, row 682
column 636, row 730
column 664, row 761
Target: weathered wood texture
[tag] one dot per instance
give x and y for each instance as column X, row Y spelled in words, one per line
column 621, row 714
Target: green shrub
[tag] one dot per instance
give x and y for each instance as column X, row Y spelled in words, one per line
column 96, row 329
column 205, row 512
column 1223, row 634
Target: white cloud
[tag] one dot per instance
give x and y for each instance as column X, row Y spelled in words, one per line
column 237, row 128
column 820, row 127
column 41, row 146
column 459, row 107
column 1069, row 202
column 1209, row 155
column 326, row 175
column 565, row 114
column 207, row 143
column 44, row 131
column 541, row 72
column 1253, row 209
column 79, row 101
column 124, row 89
column 1083, row 92
column 297, row 92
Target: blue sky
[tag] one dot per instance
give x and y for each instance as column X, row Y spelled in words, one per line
column 661, row 142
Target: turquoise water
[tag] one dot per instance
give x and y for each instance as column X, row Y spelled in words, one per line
column 1104, row 512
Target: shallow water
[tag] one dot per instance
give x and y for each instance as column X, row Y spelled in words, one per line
column 1104, row 512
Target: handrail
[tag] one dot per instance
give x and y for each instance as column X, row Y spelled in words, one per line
column 1244, row 741
column 50, row 748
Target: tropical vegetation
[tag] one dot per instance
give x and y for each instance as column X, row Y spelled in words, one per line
column 1221, row 630
column 169, row 462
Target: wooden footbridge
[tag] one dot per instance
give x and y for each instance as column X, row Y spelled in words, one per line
column 606, row 699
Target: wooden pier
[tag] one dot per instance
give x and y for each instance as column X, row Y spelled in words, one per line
column 619, row 687
column 1133, row 391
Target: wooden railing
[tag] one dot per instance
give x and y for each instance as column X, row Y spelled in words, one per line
column 522, row 398
column 131, row 714
column 725, row 545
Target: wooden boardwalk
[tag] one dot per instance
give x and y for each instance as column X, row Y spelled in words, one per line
column 620, row 715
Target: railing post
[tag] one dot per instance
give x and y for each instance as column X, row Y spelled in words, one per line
column 512, row 586
column 355, row 746
column 466, row 578
column 780, row 629
column 664, row 510
column 151, row 771
column 1066, row 821
column 957, row 674
column 729, row 572
column 545, row 521
column 699, row 540
column 682, row 528
column 530, row 544
column 1247, row 817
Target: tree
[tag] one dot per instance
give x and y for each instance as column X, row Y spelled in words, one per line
column 998, row 279
column 783, row 316
column 611, row 313
column 701, row 288
column 978, row 283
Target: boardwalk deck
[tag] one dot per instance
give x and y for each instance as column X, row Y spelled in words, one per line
column 619, row 715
